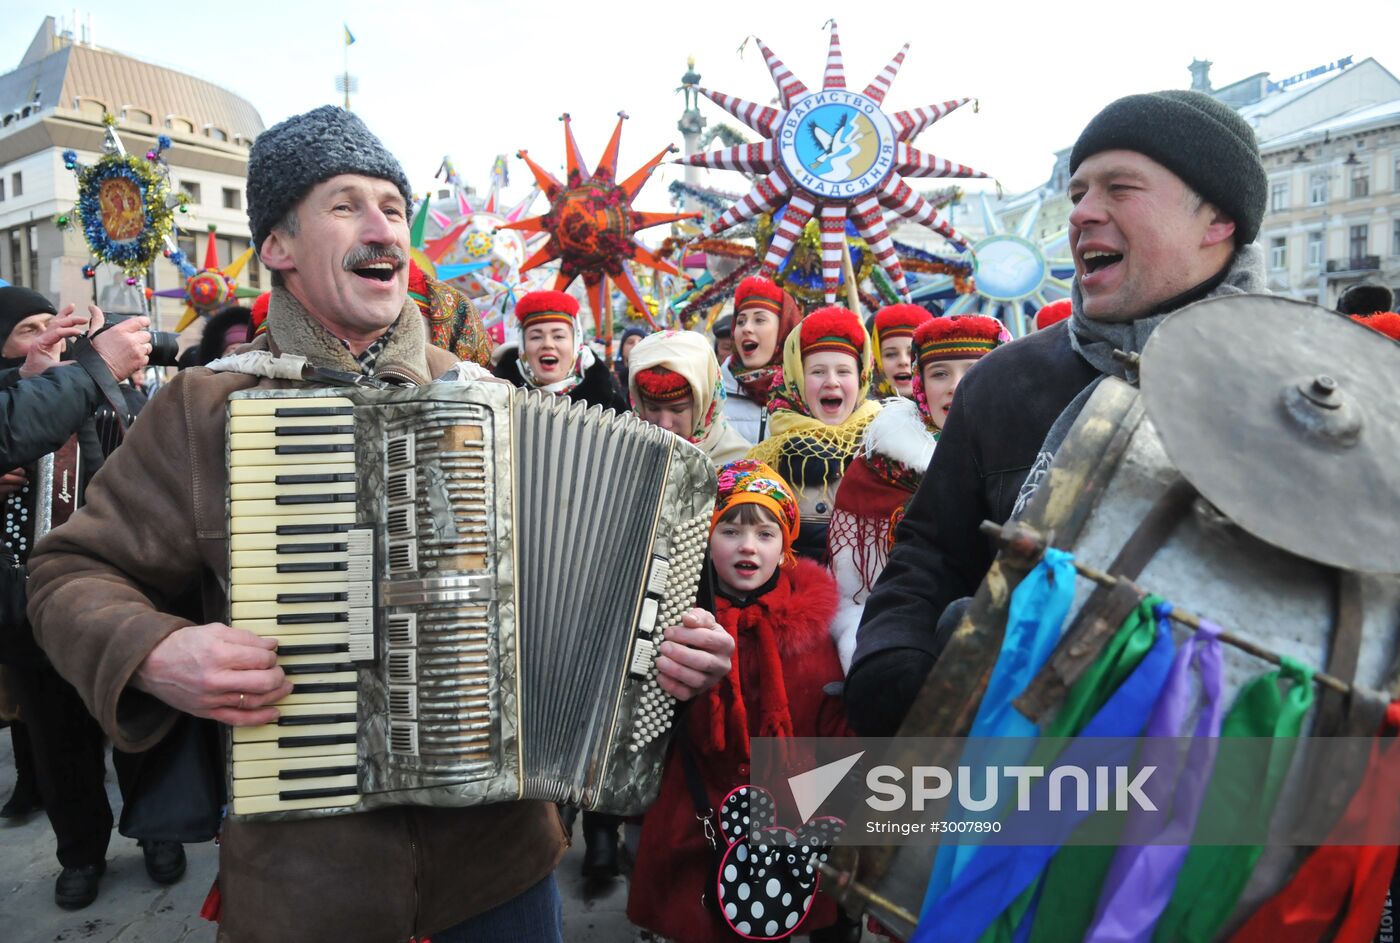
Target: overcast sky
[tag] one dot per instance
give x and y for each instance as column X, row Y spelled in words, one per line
column 475, row 78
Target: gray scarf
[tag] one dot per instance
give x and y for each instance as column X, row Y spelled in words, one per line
column 1096, row 341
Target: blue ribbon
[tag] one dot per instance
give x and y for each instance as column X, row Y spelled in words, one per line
column 1033, row 626
column 997, row 875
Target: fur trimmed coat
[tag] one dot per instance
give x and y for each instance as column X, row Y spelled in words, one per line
column 597, row 387
column 673, row 861
column 879, row 483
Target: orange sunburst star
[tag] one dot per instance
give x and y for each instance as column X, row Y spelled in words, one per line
column 833, row 154
column 592, row 226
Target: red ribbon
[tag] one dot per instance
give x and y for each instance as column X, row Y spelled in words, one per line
column 1338, row 881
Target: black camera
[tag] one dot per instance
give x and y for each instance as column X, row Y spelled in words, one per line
column 165, row 345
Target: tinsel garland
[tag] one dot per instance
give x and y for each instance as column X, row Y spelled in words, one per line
column 723, row 248
column 888, row 294
column 926, row 263
column 722, row 288
column 138, row 219
column 716, row 200
column 908, row 253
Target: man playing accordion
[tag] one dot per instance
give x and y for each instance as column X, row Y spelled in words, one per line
column 329, row 210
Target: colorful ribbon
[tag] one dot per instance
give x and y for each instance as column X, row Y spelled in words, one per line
column 1034, row 622
column 997, row 875
column 1076, row 867
column 1214, row 876
column 1339, row 881
column 1141, row 876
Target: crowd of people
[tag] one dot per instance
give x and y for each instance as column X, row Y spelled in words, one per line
column 854, row 465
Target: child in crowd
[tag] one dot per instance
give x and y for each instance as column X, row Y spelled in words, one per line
column 778, row 608
column 898, row 447
column 892, row 343
column 764, row 316
column 675, row 384
column 820, row 407
column 631, row 337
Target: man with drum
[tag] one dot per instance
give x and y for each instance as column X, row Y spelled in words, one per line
column 118, row 594
column 1168, row 192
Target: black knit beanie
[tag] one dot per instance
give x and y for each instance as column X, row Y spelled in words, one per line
column 1366, row 298
column 1204, row 142
column 18, row 303
column 291, row 157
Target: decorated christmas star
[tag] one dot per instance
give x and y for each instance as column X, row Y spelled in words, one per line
column 210, row 288
column 592, row 226
column 833, row 154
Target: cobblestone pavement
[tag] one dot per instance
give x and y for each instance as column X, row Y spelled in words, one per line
column 133, row 909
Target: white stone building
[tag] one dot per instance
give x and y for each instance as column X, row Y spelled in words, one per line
column 54, row 100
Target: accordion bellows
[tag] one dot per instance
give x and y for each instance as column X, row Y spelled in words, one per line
column 468, row 584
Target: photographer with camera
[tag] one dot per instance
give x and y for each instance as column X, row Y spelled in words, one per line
column 40, row 406
column 47, row 400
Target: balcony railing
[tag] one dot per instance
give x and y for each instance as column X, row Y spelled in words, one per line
column 1361, row 263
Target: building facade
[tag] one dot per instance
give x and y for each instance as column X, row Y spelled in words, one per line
column 1330, row 142
column 1334, row 205
column 54, row 100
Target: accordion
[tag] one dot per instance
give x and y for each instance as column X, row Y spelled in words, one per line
column 48, row 498
column 467, row 584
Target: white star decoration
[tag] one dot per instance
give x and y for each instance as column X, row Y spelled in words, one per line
column 833, row 154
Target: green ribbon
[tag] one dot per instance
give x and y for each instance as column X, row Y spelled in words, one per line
column 1115, row 663
column 1214, row 876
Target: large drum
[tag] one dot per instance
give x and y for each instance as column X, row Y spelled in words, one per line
column 1254, row 479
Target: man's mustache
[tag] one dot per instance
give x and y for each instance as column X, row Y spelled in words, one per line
column 363, row 255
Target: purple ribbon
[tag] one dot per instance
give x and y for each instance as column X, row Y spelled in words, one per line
column 1142, row 876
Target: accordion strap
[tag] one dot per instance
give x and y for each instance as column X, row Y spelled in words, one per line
column 263, row 363
column 695, row 783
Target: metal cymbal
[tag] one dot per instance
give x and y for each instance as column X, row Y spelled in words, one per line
column 1284, row 416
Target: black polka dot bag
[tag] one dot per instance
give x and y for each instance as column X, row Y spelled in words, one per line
column 764, row 880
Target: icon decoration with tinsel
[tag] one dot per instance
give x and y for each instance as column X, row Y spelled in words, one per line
column 1015, row 275
column 125, row 207
column 833, row 154
column 210, row 288
column 592, row 226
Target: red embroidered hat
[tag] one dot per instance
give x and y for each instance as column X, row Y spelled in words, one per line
column 832, row 328
column 899, row 321
column 965, row 337
column 758, row 292
column 661, row 385
column 1053, row 313
column 537, row 307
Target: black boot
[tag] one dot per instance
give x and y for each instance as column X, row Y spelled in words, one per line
column 600, row 845
column 25, row 799
column 165, row 860
column 568, row 814
column 77, row 887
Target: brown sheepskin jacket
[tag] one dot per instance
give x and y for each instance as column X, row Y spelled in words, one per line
column 154, row 531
